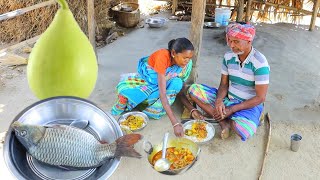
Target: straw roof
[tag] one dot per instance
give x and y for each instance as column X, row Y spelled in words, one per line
column 36, row 22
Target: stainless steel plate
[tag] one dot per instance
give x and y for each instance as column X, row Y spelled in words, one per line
column 209, row 127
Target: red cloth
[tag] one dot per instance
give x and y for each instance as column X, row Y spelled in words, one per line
column 241, row 31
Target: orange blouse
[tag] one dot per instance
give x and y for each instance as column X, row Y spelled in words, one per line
column 160, row 60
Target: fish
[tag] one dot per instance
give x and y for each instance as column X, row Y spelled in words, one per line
column 70, row 147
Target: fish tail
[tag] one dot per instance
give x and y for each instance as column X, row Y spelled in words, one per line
column 125, row 145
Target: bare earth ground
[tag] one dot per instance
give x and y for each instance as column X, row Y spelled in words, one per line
column 293, row 102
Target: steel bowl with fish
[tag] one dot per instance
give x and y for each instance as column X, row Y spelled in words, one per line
column 46, row 139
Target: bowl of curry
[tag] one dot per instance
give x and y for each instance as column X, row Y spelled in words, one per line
column 182, row 154
column 133, row 121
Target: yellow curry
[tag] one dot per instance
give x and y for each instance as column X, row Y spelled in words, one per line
column 133, row 122
column 198, row 130
column 178, row 157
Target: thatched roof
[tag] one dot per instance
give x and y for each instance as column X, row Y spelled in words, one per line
column 35, row 22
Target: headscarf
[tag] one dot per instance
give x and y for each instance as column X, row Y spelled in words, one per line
column 241, row 31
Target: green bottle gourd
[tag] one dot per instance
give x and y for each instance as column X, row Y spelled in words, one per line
column 62, row 62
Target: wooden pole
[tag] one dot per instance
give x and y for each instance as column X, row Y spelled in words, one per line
column 197, row 19
column 267, row 147
column 26, row 9
column 174, row 6
column 91, row 23
column 240, row 10
column 314, row 14
column 248, row 11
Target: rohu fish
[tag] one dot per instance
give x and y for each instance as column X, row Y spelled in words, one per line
column 70, row 147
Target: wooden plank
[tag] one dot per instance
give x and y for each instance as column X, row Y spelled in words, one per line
column 91, row 23
column 248, row 11
column 18, row 12
column 27, row 42
column 314, row 14
column 197, row 20
column 240, row 10
column 9, row 59
column 174, row 6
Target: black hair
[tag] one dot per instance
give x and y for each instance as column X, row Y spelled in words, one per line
column 179, row 45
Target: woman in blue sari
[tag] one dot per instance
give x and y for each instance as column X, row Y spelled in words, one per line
column 159, row 80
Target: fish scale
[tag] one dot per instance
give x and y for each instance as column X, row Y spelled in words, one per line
column 72, row 147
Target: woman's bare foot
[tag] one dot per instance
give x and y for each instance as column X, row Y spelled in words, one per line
column 225, row 126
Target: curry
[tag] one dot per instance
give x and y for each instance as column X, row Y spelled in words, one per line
column 133, row 122
column 178, row 157
column 198, row 130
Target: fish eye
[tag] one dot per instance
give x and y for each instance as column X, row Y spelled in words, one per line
column 23, row 133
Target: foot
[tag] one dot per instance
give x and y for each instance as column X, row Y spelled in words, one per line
column 225, row 126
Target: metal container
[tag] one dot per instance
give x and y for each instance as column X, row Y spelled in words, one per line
column 212, row 24
column 156, row 22
column 134, row 113
column 173, row 142
column 61, row 110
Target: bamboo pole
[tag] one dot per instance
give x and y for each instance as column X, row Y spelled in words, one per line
column 18, row 12
column 248, row 11
column 187, row 4
column 314, row 14
column 240, row 10
column 286, row 7
column 91, row 23
column 267, row 147
column 197, row 20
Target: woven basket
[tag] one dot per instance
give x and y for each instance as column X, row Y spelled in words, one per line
column 125, row 18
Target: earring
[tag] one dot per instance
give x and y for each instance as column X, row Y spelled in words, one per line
column 173, row 56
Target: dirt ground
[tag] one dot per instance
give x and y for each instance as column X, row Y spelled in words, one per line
column 293, row 102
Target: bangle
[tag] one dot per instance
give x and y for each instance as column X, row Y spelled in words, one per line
column 194, row 109
column 176, row 124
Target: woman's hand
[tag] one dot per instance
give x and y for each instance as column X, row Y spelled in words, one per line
column 178, row 130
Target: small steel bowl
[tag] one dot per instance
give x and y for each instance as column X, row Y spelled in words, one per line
column 135, row 113
column 156, row 22
column 212, row 24
column 210, row 129
column 60, row 110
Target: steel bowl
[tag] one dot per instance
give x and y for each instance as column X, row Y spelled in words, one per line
column 60, row 110
column 135, row 113
column 156, row 22
column 212, row 24
column 152, row 150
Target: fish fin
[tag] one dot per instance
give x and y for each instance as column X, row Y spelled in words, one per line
column 125, row 145
column 103, row 142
